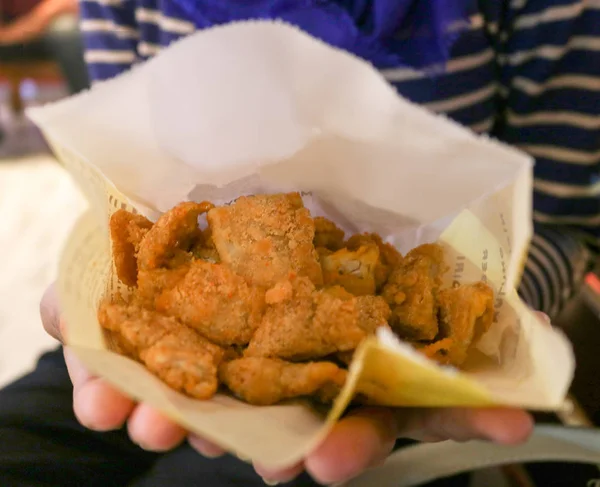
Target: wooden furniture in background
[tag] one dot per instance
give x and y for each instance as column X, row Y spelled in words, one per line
column 15, row 72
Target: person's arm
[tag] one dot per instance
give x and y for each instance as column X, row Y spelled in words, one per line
column 550, row 82
column 32, row 25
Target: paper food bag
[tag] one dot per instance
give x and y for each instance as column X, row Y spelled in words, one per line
column 262, row 107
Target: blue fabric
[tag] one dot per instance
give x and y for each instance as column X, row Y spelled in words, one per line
column 388, row 33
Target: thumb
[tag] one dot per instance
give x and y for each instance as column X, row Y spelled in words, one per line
column 50, row 313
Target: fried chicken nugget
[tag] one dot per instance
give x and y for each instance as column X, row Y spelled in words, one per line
column 265, row 238
column 411, row 293
column 176, row 354
column 354, row 270
column 165, row 252
column 265, row 381
column 172, row 235
column 314, row 324
column 216, row 302
column 389, row 257
column 330, row 391
column 466, row 313
column 345, row 357
column 205, row 249
column 127, row 231
column 152, row 283
column 438, row 351
column 327, row 234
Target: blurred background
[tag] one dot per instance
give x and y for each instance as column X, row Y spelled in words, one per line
column 41, row 61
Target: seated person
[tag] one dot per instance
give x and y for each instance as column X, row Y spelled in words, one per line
column 44, row 29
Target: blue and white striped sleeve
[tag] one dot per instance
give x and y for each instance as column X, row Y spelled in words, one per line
column 111, row 37
column 555, row 269
column 550, row 90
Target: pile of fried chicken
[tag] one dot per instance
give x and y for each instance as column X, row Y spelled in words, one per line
column 271, row 302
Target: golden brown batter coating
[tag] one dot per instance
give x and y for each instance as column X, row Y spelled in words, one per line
column 127, row 231
column 265, row 239
column 216, row 302
column 466, row 313
column 389, row 257
column 205, row 249
column 438, row 351
column 354, row 270
column 178, row 355
column 327, row 234
column 152, row 283
column 317, row 323
column 411, row 293
column 265, row 381
column 176, row 230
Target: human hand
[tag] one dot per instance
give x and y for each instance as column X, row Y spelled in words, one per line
column 359, row 441
column 366, row 438
column 99, row 406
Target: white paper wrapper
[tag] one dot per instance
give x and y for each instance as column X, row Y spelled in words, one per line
column 261, row 107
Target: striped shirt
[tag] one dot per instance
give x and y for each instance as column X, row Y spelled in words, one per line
column 525, row 71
